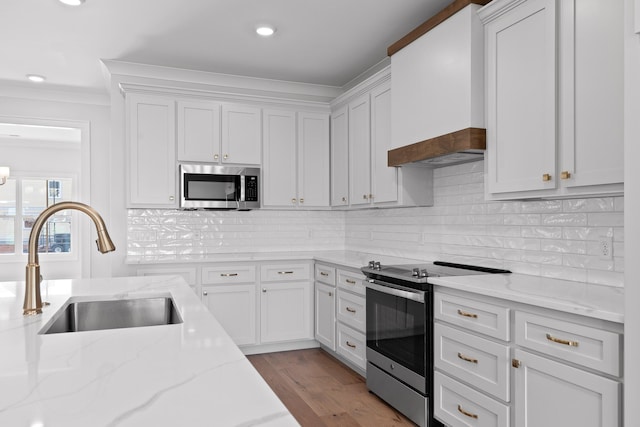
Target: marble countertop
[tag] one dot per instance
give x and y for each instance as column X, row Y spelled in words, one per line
column 175, row 375
column 601, row 302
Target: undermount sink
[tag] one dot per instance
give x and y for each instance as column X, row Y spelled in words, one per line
column 78, row 316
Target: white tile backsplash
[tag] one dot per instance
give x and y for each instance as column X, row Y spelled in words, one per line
column 555, row 238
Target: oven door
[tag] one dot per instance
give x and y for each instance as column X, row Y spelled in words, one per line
column 397, row 331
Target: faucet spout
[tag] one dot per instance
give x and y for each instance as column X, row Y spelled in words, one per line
column 32, row 299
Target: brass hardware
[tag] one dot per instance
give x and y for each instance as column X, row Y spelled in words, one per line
column 205, row 293
column 322, row 273
column 467, row 358
column 515, row 363
column 228, row 274
column 371, row 196
column 293, row 200
column 351, row 345
column 468, row 414
column 364, row 196
column 465, row 314
column 546, row 177
column 264, row 290
column 565, row 175
column 32, row 299
column 350, row 310
column 171, row 198
column 216, row 157
column 285, row 272
column 344, row 199
column 301, row 200
column 330, row 294
column 351, row 282
column 225, row 157
column 562, row 341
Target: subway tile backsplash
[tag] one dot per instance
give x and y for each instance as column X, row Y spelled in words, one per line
column 555, row 238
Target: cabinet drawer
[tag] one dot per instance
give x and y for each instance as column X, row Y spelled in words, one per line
column 477, row 316
column 228, row 274
column 472, row 359
column 188, row 274
column 352, row 345
column 458, row 405
column 285, row 272
column 584, row 345
column 351, row 281
column 351, row 310
column 325, row 274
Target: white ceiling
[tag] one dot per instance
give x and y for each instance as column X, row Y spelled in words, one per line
column 327, row 42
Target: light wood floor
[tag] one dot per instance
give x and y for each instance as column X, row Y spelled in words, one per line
column 320, row 391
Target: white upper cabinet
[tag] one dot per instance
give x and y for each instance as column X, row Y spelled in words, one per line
column 384, row 179
column 151, row 160
column 340, row 157
column 359, row 151
column 241, row 134
column 554, row 98
column 198, row 131
column 437, row 81
column 296, row 159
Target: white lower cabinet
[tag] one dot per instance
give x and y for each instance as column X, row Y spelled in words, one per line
column 234, row 306
column 325, row 314
column 550, row 369
column 352, row 345
column 553, row 394
column 285, row 312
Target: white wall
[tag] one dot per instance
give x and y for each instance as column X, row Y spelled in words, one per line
column 632, row 209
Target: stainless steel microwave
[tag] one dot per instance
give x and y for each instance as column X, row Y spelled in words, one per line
column 207, row 186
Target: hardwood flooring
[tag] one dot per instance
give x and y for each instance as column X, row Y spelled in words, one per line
column 320, row 391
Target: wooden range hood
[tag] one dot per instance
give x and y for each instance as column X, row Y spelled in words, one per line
column 438, row 114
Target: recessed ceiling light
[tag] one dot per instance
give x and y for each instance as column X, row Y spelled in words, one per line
column 265, row 30
column 72, row 2
column 36, row 78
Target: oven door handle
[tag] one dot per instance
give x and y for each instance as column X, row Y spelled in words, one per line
column 417, row 296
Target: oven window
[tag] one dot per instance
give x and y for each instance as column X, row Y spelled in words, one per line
column 396, row 329
column 211, row 187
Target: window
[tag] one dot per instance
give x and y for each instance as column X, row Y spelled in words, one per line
column 22, row 199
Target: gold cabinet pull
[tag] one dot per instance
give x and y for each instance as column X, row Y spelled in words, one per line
column 515, row 363
column 351, row 345
column 228, row 274
column 322, row 273
column 371, row 196
column 351, row 310
column 285, row 272
column 467, row 358
column 351, row 282
column 364, row 196
column 546, row 177
column 465, row 314
column 468, row 414
column 562, row 341
column 565, row 175
column 171, row 198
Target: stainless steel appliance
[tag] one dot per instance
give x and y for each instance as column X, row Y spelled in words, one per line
column 207, row 186
column 399, row 322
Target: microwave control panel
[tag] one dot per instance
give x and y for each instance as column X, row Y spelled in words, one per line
column 251, row 189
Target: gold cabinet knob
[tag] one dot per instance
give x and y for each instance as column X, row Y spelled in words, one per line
column 364, row 196
column 293, row 200
column 301, row 200
column 225, row 157
column 171, row 198
column 565, row 175
column 344, row 200
column 546, row 177
column 371, row 196
column 216, row 157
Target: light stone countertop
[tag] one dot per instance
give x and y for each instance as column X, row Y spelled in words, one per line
column 597, row 301
column 188, row 374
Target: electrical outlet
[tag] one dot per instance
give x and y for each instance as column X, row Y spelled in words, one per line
column 605, row 246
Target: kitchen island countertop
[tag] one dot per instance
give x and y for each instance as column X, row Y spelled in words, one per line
column 184, row 374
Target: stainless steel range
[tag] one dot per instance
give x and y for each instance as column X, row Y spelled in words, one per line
column 400, row 333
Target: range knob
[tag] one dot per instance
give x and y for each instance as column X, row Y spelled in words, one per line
column 377, row 266
column 372, row 264
column 415, row 272
column 423, row 272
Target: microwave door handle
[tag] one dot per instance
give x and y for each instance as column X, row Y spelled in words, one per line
column 414, row 296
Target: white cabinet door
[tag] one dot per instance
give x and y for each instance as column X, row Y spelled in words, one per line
column 592, row 92
column 280, row 155
column 359, row 151
column 313, row 159
column 325, row 302
column 241, row 134
column 340, row 157
column 152, row 171
column 234, row 306
column 198, row 131
column 521, row 98
column 285, row 312
column 384, row 179
column 550, row 394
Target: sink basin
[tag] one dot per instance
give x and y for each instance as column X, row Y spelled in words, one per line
column 77, row 316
